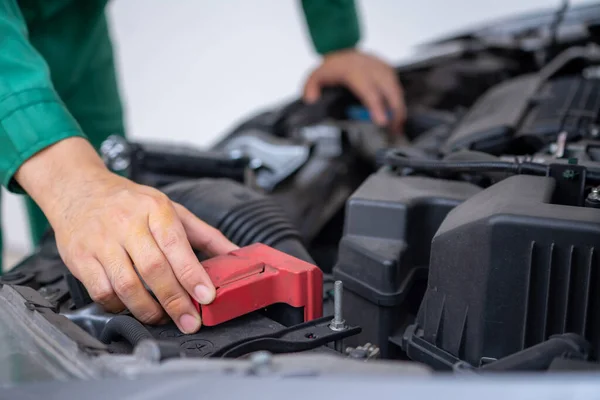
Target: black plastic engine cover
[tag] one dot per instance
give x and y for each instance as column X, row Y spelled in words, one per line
column 384, row 253
column 509, row 269
column 525, row 113
column 492, row 121
column 568, row 104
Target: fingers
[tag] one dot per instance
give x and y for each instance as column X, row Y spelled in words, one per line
column 390, row 89
column 127, row 285
column 174, row 244
column 158, row 272
column 312, row 88
column 370, row 96
column 94, row 278
column 202, row 236
column 371, row 80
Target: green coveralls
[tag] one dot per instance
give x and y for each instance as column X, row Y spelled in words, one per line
column 57, row 76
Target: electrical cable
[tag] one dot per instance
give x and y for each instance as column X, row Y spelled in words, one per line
column 396, row 160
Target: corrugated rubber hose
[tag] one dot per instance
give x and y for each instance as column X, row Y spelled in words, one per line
column 123, row 326
column 243, row 215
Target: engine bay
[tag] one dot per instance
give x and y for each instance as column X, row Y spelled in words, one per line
column 467, row 245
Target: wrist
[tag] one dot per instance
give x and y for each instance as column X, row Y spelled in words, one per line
column 334, row 53
column 52, row 176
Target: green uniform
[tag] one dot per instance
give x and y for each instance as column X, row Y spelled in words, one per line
column 57, row 76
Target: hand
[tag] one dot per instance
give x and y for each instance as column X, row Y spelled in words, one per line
column 371, row 80
column 105, row 225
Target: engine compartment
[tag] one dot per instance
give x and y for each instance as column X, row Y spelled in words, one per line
column 468, row 244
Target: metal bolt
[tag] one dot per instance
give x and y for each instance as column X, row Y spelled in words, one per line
column 260, row 363
column 594, row 194
column 338, row 323
column 261, row 358
column 367, row 351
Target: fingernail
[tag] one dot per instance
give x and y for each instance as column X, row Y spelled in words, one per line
column 203, row 294
column 189, row 323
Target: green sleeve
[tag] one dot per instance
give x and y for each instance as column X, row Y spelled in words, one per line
column 32, row 115
column 332, row 24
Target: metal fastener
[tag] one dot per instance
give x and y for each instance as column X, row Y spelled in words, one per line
column 594, row 194
column 367, row 351
column 261, row 358
column 338, row 323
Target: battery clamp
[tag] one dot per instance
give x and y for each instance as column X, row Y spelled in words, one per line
column 258, row 276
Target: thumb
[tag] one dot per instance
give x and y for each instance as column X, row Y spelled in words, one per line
column 202, row 236
column 312, row 89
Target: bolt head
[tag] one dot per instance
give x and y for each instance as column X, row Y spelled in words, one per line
column 261, row 358
column 338, row 325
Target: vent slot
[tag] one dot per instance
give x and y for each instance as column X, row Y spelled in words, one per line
column 564, row 286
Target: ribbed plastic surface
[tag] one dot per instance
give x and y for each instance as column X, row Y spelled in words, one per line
column 509, row 269
column 243, row 215
column 563, row 292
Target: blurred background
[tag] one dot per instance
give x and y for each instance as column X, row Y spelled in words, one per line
column 190, row 70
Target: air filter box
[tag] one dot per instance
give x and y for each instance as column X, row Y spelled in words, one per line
column 509, row 269
column 384, row 252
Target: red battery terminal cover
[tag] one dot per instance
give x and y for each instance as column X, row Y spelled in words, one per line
column 258, row 276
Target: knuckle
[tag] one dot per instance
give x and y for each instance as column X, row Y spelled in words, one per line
column 151, row 317
column 102, row 295
column 174, row 302
column 170, row 240
column 75, row 253
column 126, row 287
column 159, row 200
column 152, row 266
column 188, row 274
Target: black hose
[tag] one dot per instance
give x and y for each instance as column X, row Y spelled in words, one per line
column 243, row 215
column 397, row 160
column 123, row 326
column 540, row 356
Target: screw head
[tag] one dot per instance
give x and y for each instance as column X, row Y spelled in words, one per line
column 594, row 194
column 261, row 358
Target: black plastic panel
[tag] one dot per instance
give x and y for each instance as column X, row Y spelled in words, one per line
column 493, row 120
column 509, row 269
column 384, row 252
column 569, row 104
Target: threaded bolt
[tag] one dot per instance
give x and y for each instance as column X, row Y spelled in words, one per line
column 338, row 323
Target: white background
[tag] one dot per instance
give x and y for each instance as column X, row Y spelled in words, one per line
column 191, row 69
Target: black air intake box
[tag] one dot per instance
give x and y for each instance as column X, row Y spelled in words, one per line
column 508, row 270
column 384, row 252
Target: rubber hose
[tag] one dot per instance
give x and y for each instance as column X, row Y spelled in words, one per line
column 394, row 160
column 540, row 356
column 397, row 160
column 243, row 215
column 126, row 327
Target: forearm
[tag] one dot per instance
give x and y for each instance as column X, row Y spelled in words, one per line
column 51, row 175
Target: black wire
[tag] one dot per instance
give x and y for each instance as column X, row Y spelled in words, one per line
column 393, row 159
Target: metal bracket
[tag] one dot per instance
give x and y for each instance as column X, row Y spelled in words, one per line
column 302, row 337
